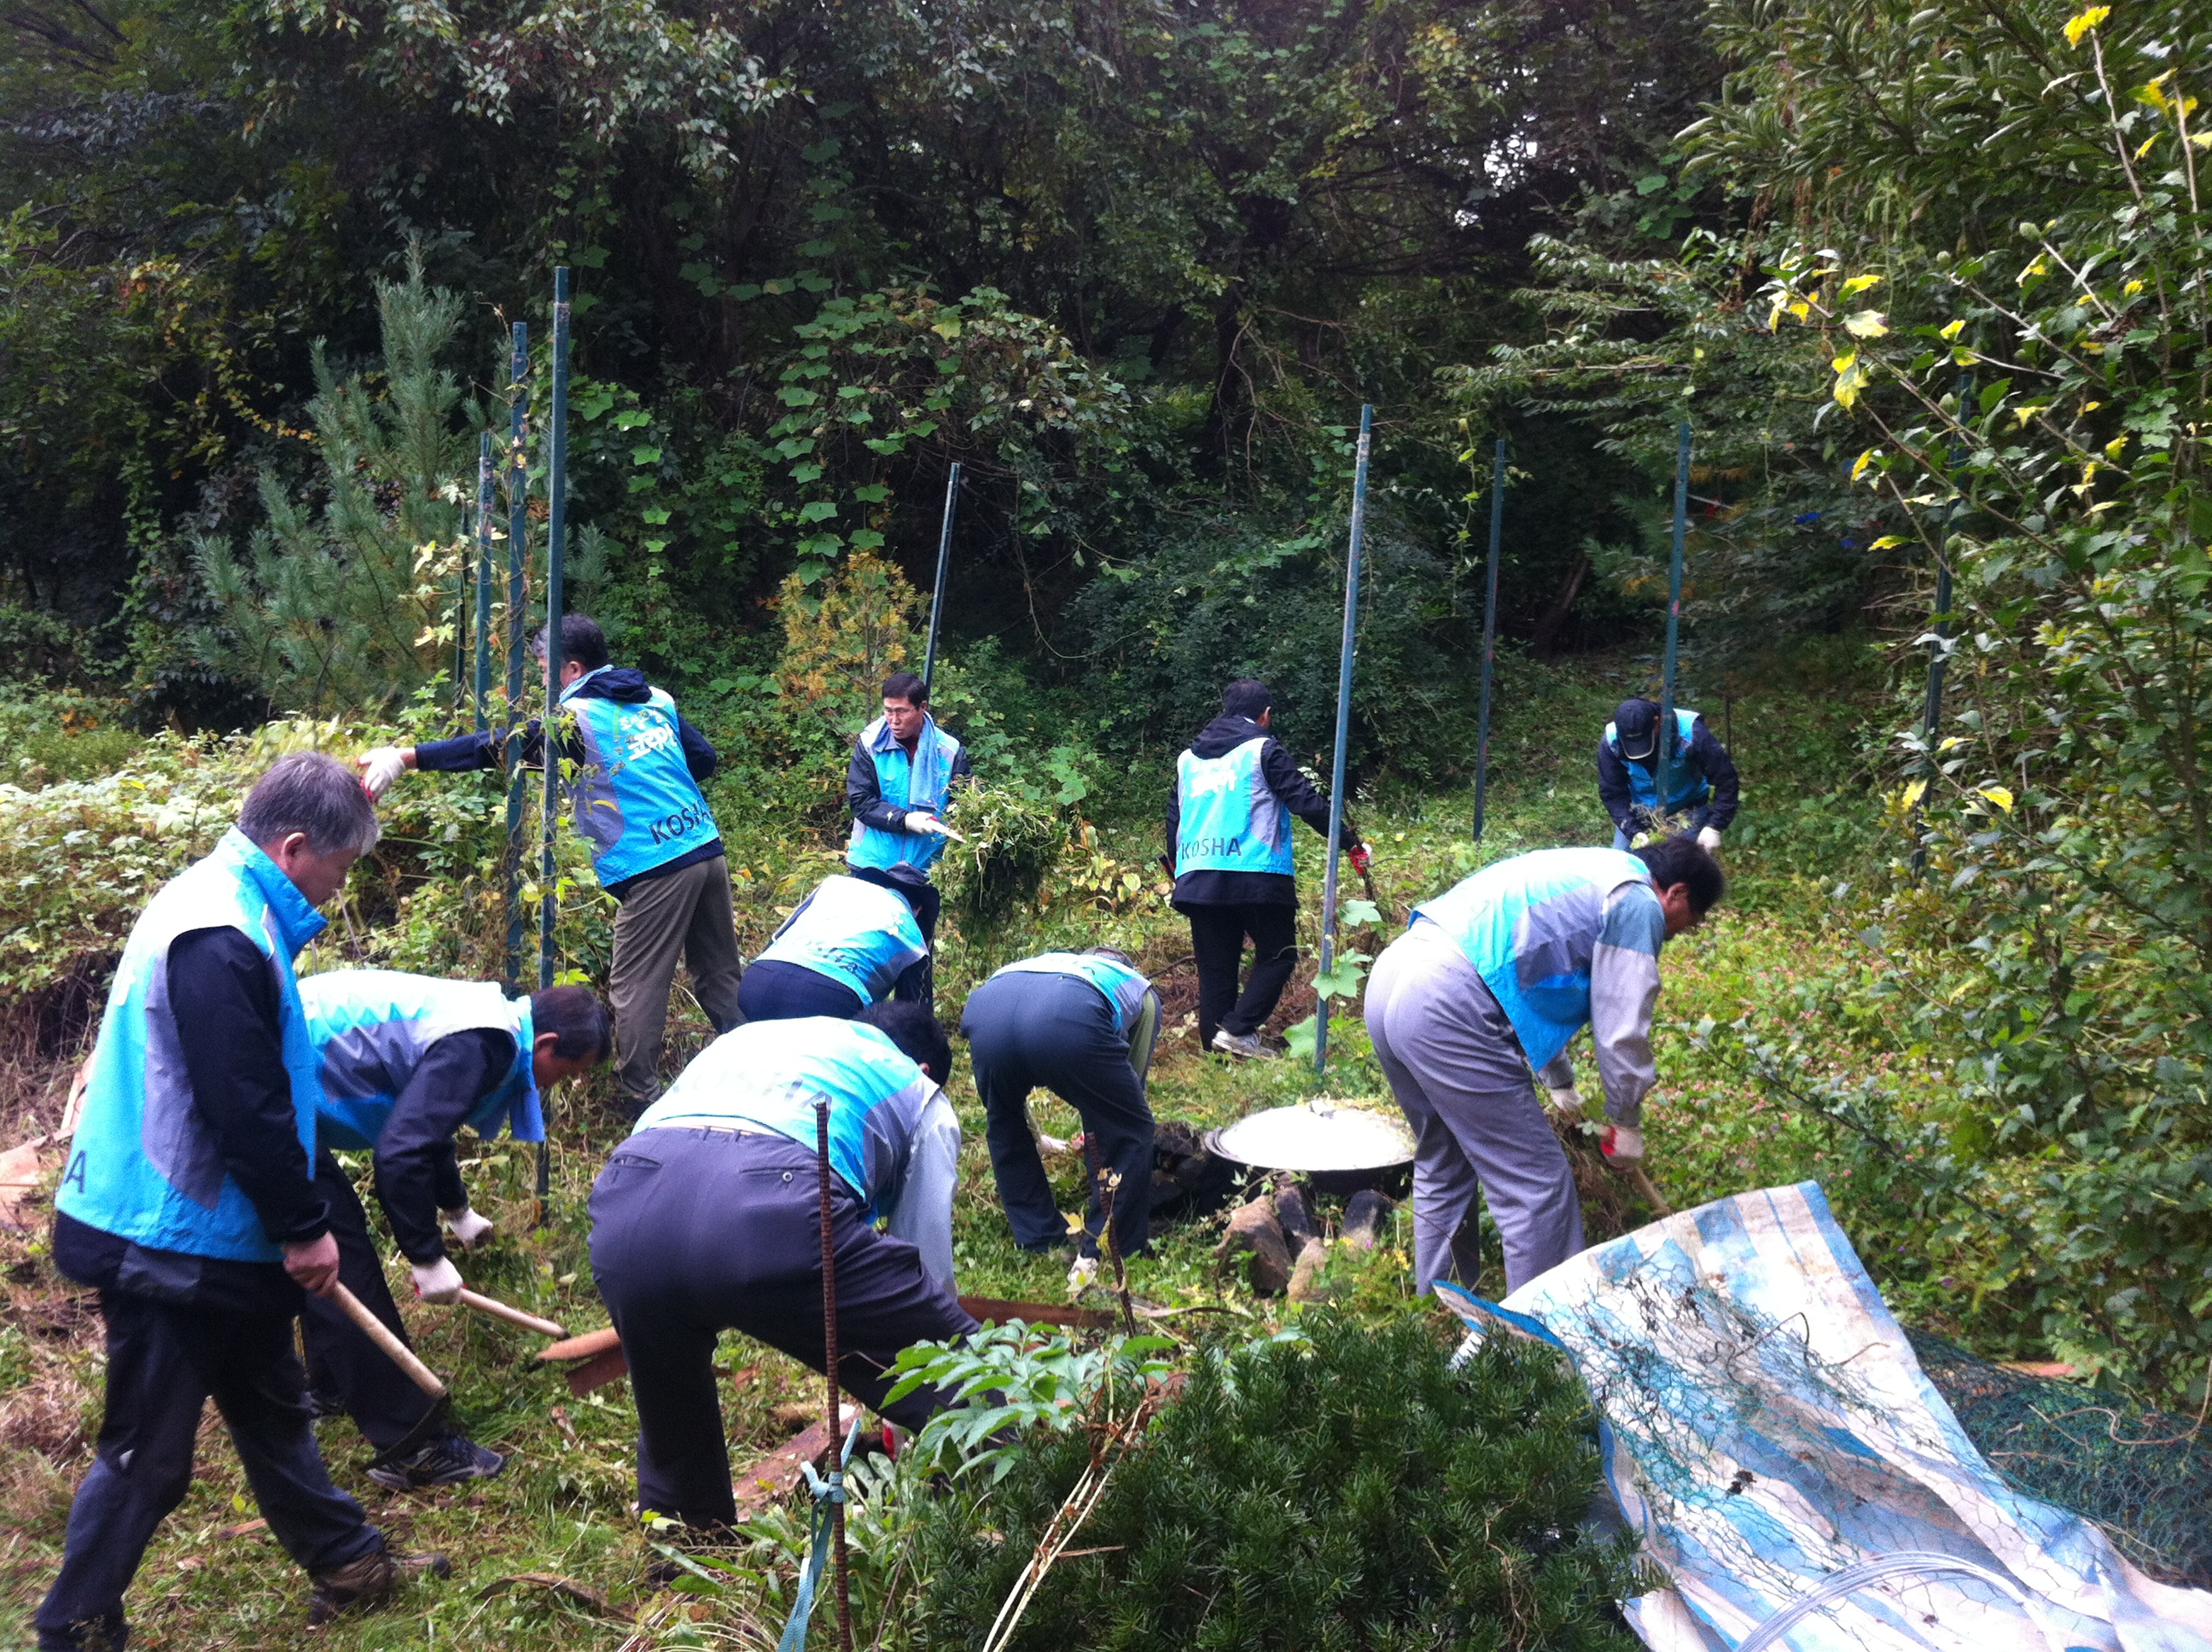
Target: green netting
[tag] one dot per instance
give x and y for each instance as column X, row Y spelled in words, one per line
column 2145, row 1476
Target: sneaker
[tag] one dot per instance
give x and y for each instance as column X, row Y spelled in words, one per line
column 365, row 1583
column 445, row 1461
column 1247, row 1045
column 321, row 1404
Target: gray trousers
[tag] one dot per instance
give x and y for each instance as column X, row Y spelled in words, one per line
column 686, row 915
column 1459, row 1073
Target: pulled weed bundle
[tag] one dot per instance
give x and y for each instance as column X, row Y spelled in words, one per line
column 1012, row 840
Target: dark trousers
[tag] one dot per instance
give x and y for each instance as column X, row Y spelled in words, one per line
column 1217, row 940
column 697, row 1231
column 164, row 1361
column 1028, row 1031
column 776, row 989
column 918, row 984
column 342, row 1362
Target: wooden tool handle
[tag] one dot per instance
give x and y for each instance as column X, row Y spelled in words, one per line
column 380, row 1334
column 500, row 1310
column 584, row 1346
column 1642, row 1183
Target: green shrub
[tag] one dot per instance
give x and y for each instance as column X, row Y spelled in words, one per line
column 1351, row 1490
column 1012, row 840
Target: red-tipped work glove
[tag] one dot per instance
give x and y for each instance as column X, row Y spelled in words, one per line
column 1360, row 857
column 1623, row 1145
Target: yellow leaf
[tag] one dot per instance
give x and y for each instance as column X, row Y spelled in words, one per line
column 2112, row 448
column 2143, row 147
column 1850, row 378
column 1866, row 324
column 1860, row 469
column 1955, row 328
column 1860, row 284
column 1800, row 309
column 1999, row 796
column 2083, row 21
column 1886, row 542
column 1914, row 792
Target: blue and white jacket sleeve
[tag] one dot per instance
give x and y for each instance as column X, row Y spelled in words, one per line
column 1624, row 995
column 923, row 1215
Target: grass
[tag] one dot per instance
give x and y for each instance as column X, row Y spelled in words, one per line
column 560, row 1508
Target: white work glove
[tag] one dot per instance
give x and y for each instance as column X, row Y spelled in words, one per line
column 379, row 767
column 468, row 1228
column 1709, row 838
column 439, row 1281
column 1567, row 1102
column 1623, row 1145
column 921, row 821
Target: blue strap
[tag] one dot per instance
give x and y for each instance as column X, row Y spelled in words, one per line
column 827, row 1493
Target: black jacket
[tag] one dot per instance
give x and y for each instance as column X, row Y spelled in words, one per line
column 417, row 1175
column 1291, row 789
column 619, row 683
column 864, row 792
column 1704, row 753
column 223, row 996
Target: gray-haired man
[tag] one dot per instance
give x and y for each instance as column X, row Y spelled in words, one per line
column 189, row 1202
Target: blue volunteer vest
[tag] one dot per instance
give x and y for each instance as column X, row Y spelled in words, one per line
column 1528, row 926
column 1231, row 822
column 1689, row 786
column 1123, row 987
column 923, row 782
column 853, row 931
column 144, row 1165
column 635, row 801
column 770, row 1074
column 372, row 1027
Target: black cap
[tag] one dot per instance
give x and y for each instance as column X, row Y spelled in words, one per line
column 1636, row 726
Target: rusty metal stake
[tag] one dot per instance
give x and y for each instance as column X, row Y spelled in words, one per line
column 836, row 1476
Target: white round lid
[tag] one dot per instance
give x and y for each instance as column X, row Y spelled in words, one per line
column 1317, row 1135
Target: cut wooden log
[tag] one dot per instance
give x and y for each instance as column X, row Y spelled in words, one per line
column 1253, row 1228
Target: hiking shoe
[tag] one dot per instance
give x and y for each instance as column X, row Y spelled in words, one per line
column 105, row 1633
column 367, row 1581
column 1247, row 1045
column 321, row 1404
column 447, row 1460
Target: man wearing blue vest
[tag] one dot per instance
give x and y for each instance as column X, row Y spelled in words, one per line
column 1495, row 976
column 188, row 1203
column 1701, row 775
column 709, row 1217
column 847, row 946
column 406, row 1060
column 1229, row 831
column 897, row 785
column 1082, row 1025
column 654, row 845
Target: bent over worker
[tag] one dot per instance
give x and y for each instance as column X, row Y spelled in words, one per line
column 404, row 1062
column 654, row 845
column 1701, row 775
column 1497, row 975
column 1229, row 831
column 709, row 1217
column 847, row 946
column 187, row 1203
column 897, row 785
column 1082, row 1025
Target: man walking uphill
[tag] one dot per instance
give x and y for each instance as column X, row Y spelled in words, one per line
column 654, row 843
column 189, row 1205
column 1228, row 831
column 901, row 774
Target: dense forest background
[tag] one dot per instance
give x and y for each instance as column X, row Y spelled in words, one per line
column 1931, row 283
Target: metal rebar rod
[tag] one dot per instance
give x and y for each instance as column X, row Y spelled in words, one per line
column 1489, row 636
column 482, row 685
column 830, row 1361
column 1665, row 776
column 1343, row 732
column 557, row 499
column 944, row 560
column 517, row 619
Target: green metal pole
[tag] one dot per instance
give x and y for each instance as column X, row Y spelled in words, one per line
column 1667, row 753
column 482, row 685
column 463, row 590
column 518, row 619
column 1489, row 636
column 943, row 560
column 1343, row 732
column 1939, row 653
column 557, row 526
